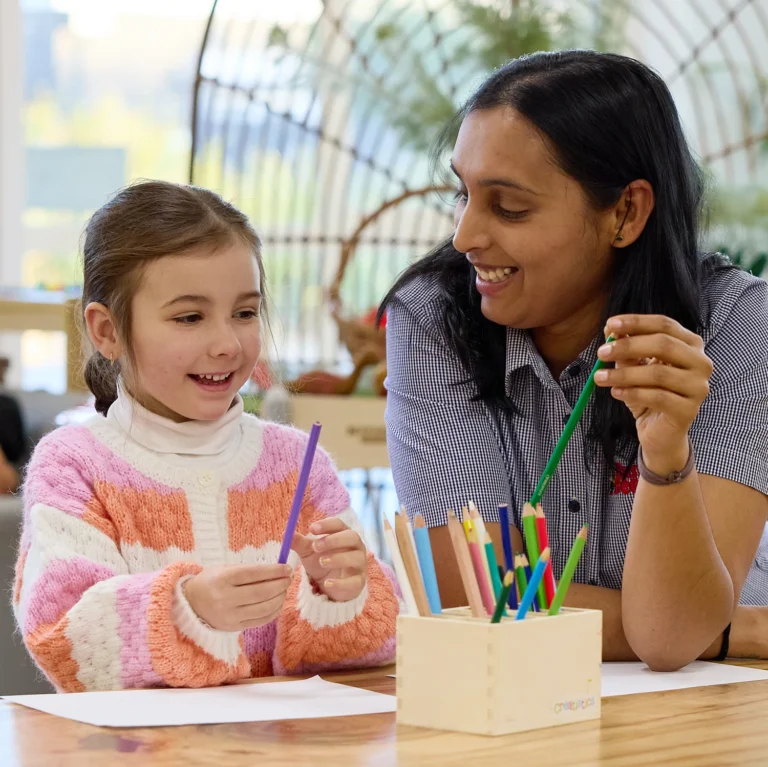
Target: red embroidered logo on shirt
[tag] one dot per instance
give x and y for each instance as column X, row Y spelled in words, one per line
column 625, row 480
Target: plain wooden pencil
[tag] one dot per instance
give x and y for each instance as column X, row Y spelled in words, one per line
column 464, row 561
column 411, row 564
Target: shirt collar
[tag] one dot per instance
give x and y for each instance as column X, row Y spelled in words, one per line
column 521, row 352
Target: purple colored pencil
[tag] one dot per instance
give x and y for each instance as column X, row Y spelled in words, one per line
column 301, row 488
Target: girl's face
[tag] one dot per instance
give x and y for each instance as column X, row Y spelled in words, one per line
column 196, row 332
column 542, row 255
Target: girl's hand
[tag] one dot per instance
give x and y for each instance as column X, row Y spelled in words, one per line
column 334, row 557
column 237, row 597
column 662, row 375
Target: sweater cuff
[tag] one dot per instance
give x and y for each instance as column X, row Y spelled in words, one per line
column 222, row 645
column 320, row 611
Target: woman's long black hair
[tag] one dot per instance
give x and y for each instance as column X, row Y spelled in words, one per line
column 609, row 120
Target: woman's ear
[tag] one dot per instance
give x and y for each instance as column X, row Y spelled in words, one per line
column 102, row 331
column 630, row 214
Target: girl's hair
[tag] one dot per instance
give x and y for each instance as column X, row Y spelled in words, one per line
column 608, row 120
column 140, row 224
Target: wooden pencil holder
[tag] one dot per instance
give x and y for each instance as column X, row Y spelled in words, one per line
column 456, row 672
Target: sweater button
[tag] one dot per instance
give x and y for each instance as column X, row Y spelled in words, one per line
column 205, row 479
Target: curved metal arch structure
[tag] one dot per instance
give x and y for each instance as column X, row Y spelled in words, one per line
column 306, row 120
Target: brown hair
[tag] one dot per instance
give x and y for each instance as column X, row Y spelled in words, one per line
column 140, row 224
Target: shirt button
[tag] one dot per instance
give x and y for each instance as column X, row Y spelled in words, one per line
column 205, row 479
column 565, row 418
column 574, row 370
column 574, row 506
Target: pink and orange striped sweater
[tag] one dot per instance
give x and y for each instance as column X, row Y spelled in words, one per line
column 120, row 511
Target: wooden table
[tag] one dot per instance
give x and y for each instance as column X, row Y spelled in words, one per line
column 30, row 309
column 724, row 725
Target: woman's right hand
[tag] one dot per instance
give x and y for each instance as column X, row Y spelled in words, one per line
column 237, row 597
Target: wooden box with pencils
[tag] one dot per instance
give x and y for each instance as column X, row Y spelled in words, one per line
column 461, row 673
column 514, row 659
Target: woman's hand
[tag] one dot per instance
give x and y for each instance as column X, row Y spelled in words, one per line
column 237, row 597
column 334, row 557
column 662, row 375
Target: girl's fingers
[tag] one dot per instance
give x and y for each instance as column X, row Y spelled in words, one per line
column 348, row 539
column 344, row 589
column 354, row 559
column 328, row 526
column 682, row 382
column 261, row 610
column 259, row 593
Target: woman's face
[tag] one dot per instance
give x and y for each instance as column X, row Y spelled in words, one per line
column 543, row 256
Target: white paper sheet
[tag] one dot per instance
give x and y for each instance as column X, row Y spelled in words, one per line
column 270, row 701
column 633, row 678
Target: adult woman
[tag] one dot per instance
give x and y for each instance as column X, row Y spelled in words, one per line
column 577, row 215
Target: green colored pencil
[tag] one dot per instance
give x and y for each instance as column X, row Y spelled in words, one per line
column 532, row 546
column 502, row 598
column 521, row 577
column 493, row 566
column 570, row 569
column 570, row 427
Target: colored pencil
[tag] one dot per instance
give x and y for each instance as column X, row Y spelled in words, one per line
column 570, row 569
column 464, row 562
column 466, row 521
column 536, row 606
column 520, row 575
column 570, row 427
column 503, row 596
column 411, row 564
column 483, row 581
column 541, row 529
column 479, row 525
column 532, row 545
column 400, row 571
column 533, row 585
column 490, row 555
column 298, row 496
column 506, row 537
column 424, row 552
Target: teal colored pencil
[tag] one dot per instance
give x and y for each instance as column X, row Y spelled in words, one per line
column 533, row 584
column 493, row 566
column 570, row 427
column 427, row 564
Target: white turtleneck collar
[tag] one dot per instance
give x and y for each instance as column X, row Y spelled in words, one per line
column 162, row 435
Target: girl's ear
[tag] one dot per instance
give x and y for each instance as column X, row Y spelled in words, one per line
column 102, row 331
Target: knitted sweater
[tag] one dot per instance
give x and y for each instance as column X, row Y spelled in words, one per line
column 119, row 512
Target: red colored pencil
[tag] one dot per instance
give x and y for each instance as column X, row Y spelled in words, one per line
column 541, row 529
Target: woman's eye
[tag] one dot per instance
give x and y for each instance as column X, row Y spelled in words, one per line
column 460, row 196
column 187, row 319
column 513, row 215
column 247, row 314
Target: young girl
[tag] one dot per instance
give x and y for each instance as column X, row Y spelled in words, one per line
column 577, row 212
column 151, row 534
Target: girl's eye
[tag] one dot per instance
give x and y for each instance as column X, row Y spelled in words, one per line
column 247, row 314
column 187, row 319
column 460, row 196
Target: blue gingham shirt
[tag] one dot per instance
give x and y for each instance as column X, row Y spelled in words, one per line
column 446, row 448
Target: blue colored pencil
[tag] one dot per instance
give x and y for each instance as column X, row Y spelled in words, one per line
column 298, row 498
column 536, row 607
column 427, row 564
column 506, row 542
column 533, row 585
